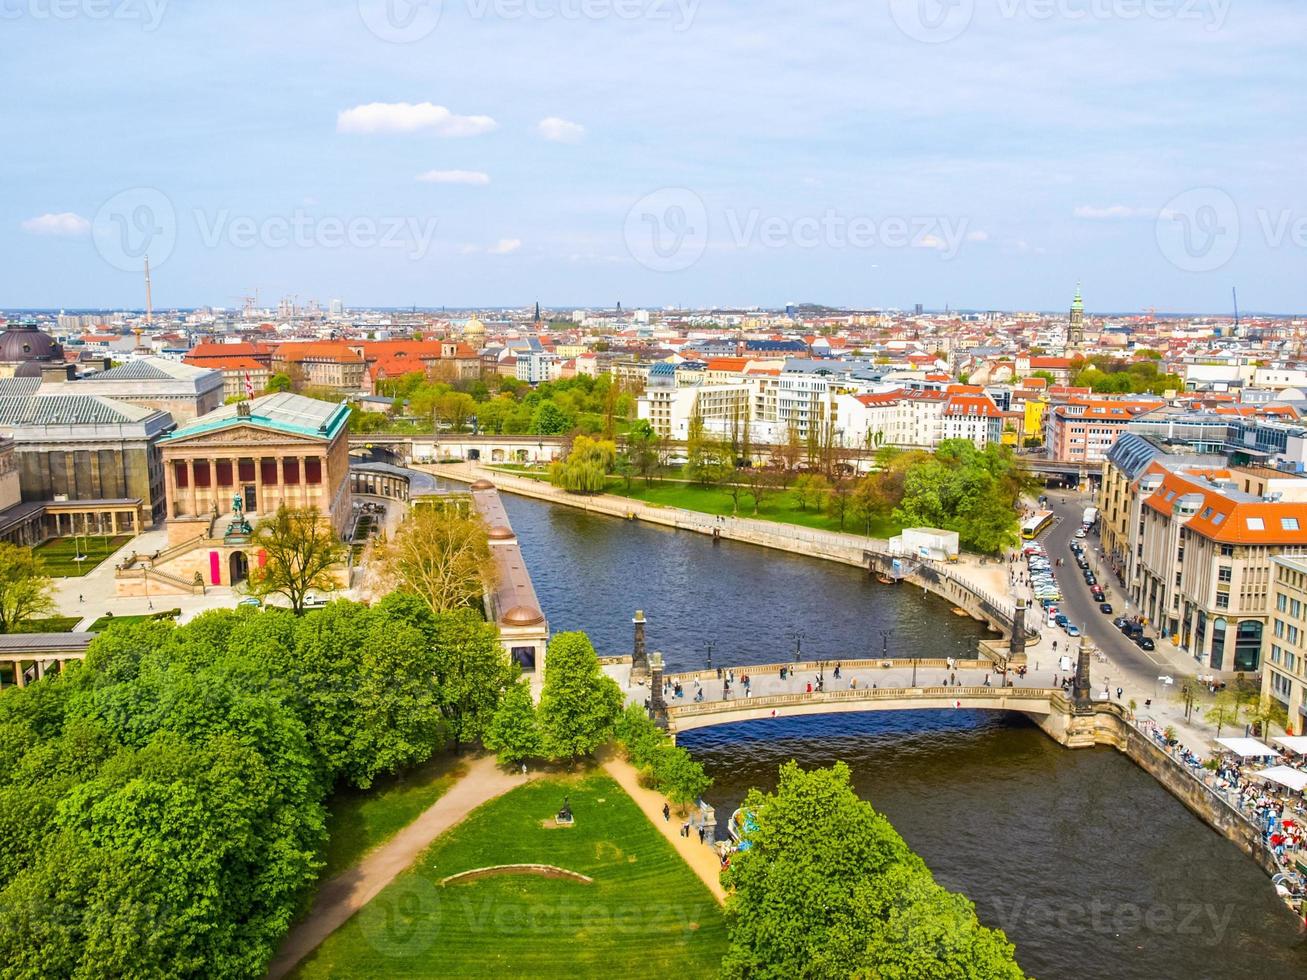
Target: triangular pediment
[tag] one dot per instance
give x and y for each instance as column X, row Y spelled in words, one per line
column 245, row 433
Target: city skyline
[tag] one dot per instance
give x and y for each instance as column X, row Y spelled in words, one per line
column 851, row 154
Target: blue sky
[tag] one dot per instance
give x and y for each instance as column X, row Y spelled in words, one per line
column 656, row 152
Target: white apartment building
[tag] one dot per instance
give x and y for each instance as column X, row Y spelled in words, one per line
column 535, row 367
column 670, row 410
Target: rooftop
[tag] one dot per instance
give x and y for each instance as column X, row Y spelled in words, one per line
column 284, row 412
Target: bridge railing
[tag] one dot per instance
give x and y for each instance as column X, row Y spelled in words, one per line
column 865, row 694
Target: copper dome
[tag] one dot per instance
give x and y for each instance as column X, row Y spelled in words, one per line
column 522, row 616
column 23, row 342
column 483, row 485
column 500, row 533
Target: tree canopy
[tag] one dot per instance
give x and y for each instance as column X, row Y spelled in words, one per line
column 161, row 804
column 25, row 588
column 828, row 888
column 579, row 703
column 302, row 552
column 441, row 555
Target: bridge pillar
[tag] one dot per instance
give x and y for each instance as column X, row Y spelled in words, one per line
column 1081, row 692
column 657, row 703
column 1017, row 645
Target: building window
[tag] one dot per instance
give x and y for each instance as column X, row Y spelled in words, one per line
column 246, row 470
column 269, row 470
column 1222, row 600
column 1224, row 573
column 202, row 473
column 1280, row 603
column 181, row 476
column 1227, row 550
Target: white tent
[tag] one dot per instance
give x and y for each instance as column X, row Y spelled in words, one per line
column 1248, row 748
column 1284, row 776
column 1294, row 743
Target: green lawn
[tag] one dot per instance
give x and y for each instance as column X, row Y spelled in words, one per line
column 55, row 624
column 358, row 820
column 58, row 554
column 780, row 507
column 645, row 915
column 104, row 622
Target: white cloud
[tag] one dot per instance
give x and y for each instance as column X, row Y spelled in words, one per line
column 473, row 177
column 560, row 130
column 505, row 246
column 408, row 117
column 65, row 225
column 1113, row 212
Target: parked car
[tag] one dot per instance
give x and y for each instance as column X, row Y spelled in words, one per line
column 1145, row 643
column 1105, row 607
column 1120, row 622
column 1080, row 532
column 250, row 601
column 1061, row 620
column 1090, row 579
column 1072, row 629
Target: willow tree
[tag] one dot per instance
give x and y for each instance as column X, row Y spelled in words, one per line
column 441, row 555
column 586, row 468
column 301, row 553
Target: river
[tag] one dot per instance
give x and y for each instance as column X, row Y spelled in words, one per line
column 1092, row 869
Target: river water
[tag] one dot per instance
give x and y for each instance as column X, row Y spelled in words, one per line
column 1092, row 869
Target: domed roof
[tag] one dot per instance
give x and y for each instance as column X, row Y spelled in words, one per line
column 500, row 533
column 474, row 327
column 522, row 616
column 483, row 485
column 28, row 369
column 23, row 342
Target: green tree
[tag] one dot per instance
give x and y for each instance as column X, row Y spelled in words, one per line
column 279, row 382
column 514, row 733
column 579, row 703
column 302, row 555
column 472, row 673
column 585, row 468
column 550, row 420
column 828, row 888
column 1224, row 710
column 25, row 588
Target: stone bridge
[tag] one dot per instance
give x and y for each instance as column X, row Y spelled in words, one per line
column 684, row 717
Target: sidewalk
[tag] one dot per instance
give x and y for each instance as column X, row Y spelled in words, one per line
column 701, row 858
column 342, row 896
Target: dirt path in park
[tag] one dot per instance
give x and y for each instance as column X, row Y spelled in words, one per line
column 342, row 896
column 701, row 858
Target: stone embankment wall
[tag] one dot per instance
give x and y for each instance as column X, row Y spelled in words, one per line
column 1218, row 814
column 848, row 549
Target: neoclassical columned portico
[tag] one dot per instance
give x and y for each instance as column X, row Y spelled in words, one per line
column 209, row 478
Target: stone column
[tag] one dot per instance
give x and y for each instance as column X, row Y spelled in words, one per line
column 18, row 673
column 258, row 485
column 1017, row 645
column 190, row 475
column 1081, row 691
column 657, row 704
column 281, row 480
column 639, row 657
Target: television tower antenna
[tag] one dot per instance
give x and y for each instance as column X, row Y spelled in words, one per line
column 149, row 299
column 1234, row 291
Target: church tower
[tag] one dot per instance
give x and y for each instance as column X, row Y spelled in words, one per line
column 1075, row 334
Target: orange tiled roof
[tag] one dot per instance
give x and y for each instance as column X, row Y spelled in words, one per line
column 1229, row 521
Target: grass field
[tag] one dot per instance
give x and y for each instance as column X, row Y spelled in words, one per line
column 645, row 914
column 58, row 554
column 104, row 622
column 358, row 820
column 55, row 624
column 780, row 507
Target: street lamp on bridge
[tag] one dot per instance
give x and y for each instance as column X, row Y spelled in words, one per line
column 797, row 637
column 709, row 646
